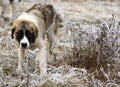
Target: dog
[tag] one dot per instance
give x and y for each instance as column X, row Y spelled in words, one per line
column 36, row 28
column 11, row 5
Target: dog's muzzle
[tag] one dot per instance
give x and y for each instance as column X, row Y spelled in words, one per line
column 24, row 43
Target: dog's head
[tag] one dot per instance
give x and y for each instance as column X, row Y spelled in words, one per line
column 24, row 32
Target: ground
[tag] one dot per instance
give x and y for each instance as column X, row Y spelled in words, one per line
column 85, row 12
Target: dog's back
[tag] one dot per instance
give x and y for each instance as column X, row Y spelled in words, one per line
column 51, row 18
column 49, row 13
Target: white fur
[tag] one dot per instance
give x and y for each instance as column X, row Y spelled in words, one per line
column 41, row 58
column 21, row 54
column 40, row 43
column 29, row 17
column 25, row 40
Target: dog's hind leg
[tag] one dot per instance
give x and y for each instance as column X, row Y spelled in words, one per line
column 51, row 33
column 53, row 29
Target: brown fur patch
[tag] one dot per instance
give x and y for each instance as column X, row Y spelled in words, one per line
column 31, row 27
column 48, row 12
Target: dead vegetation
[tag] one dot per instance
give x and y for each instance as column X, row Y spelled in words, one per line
column 90, row 56
column 97, row 50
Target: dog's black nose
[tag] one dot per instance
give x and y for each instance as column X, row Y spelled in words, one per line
column 24, row 45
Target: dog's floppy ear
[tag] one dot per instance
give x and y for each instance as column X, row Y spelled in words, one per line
column 12, row 32
column 34, row 32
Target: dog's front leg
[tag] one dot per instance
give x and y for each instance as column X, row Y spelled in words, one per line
column 21, row 54
column 41, row 57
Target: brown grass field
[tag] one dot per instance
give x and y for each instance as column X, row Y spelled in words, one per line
column 89, row 54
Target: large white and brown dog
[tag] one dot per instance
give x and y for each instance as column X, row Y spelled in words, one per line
column 36, row 28
column 9, row 5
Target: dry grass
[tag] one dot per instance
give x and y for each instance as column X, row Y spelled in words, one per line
column 89, row 57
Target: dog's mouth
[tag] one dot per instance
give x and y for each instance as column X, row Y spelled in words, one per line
column 24, row 48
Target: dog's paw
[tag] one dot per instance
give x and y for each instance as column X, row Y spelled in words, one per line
column 19, row 70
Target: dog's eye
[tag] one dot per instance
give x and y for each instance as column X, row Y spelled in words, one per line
column 19, row 35
column 30, row 36
column 28, row 33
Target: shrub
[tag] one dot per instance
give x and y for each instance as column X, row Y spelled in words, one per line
column 97, row 49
